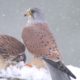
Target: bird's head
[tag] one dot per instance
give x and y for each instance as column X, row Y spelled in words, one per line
column 35, row 14
column 32, row 12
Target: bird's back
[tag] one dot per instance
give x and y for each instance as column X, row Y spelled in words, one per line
column 10, row 45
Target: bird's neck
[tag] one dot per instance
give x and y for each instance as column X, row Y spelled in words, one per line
column 35, row 20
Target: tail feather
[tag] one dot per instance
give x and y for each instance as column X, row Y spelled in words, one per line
column 60, row 66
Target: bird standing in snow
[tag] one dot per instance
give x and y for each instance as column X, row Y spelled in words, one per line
column 11, row 50
column 40, row 42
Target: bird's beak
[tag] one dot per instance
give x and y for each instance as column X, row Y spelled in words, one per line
column 28, row 13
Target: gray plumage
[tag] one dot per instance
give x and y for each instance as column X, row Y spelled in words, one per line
column 60, row 67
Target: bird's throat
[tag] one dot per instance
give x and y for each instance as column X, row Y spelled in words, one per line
column 32, row 20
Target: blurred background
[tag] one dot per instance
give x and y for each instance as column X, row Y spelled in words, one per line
column 63, row 17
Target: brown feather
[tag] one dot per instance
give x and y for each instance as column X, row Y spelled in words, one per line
column 10, row 48
column 39, row 41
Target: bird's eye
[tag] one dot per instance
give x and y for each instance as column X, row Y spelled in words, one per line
column 33, row 11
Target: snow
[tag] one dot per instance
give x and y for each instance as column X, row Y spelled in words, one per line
column 75, row 70
column 25, row 72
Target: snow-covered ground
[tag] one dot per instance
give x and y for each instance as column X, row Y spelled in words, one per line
column 75, row 70
column 25, row 72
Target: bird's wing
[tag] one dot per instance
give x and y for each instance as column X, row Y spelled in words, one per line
column 61, row 67
column 39, row 40
column 2, row 50
column 10, row 47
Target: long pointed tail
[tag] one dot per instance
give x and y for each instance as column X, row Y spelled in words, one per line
column 60, row 66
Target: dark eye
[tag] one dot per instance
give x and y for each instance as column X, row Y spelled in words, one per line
column 33, row 11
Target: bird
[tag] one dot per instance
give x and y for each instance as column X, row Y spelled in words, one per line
column 39, row 41
column 11, row 51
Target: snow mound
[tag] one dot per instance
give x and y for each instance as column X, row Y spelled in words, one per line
column 21, row 71
column 75, row 71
